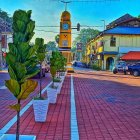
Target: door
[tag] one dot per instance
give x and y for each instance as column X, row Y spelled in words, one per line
column 109, row 63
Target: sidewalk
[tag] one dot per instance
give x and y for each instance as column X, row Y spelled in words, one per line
column 6, row 99
column 107, row 108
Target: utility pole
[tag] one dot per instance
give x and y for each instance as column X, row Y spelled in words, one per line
column 103, row 46
column 104, row 24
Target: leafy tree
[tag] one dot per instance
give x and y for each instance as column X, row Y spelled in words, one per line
column 39, row 43
column 85, row 36
column 138, row 16
column 51, row 46
column 4, row 16
column 21, row 61
column 58, row 63
column 57, row 39
column 53, row 66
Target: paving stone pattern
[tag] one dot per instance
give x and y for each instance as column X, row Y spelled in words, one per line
column 57, row 126
column 6, row 99
column 108, row 106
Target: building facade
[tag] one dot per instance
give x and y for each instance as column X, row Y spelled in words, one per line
column 117, row 40
column 5, row 38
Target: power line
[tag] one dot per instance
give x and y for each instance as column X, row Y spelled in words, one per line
column 82, row 26
column 53, row 31
column 89, row 0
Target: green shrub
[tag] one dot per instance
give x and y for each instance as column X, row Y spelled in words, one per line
column 96, row 67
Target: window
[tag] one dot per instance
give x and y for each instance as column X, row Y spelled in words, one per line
column 112, row 41
column 65, row 43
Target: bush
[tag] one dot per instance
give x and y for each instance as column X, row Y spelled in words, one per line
column 96, row 67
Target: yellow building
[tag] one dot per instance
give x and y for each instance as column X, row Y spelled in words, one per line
column 118, row 39
column 111, row 44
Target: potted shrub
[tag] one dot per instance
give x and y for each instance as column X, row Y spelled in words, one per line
column 40, row 104
column 21, row 64
column 52, row 90
column 60, row 65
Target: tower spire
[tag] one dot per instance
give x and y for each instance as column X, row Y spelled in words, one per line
column 65, row 2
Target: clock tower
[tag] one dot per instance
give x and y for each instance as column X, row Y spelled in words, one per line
column 65, row 38
column 65, row 31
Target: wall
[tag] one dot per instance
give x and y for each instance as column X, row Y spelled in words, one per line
column 121, row 40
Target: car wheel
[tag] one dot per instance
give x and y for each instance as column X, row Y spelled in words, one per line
column 135, row 73
column 125, row 72
column 131, row 73
column 114, row 71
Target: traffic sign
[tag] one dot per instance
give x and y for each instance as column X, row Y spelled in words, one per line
column 79, row 47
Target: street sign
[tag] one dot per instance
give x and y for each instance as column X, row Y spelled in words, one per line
column 79, row 47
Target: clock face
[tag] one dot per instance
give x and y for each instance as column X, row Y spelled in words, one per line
column 65, row 26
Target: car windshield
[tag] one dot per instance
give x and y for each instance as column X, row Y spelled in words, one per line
column 121, row 63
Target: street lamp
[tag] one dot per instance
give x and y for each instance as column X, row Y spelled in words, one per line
column 104, row 23
column 103, row 46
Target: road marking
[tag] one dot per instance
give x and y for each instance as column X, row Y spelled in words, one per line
column 14, row 119
column 74, row 126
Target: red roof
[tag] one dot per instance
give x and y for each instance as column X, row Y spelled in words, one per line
column 131, row 56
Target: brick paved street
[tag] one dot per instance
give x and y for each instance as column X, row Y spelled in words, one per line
column 107, row 105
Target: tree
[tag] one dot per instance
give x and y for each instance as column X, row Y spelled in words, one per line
column 138, row 16
column 4, row 16
column 40, row 53
column 51, row 46
column 57, row 39
column 21, row 61
column 85, row 36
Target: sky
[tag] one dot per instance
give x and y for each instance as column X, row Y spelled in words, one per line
column 48, row 12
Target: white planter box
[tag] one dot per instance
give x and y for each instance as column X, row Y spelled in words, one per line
column 62, row 78
column 59, row 86
column 40, row 109
column 13, row 137
column 52, row 95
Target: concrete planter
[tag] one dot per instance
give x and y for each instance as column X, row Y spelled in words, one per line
column 40, row 109
column 62, row 78
column 59, row 86
column 13, row 137
column 52, row 94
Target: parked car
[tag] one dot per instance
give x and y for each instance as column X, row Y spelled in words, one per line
column 134, row 69
column 120, row 67
column 44, row 69
column 80, row 64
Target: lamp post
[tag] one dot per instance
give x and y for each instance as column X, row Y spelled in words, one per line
column 103, row 45
column 103, row 23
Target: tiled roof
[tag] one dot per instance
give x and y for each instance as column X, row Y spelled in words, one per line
column 123, row 18
column 123, row 30
column 131, row 56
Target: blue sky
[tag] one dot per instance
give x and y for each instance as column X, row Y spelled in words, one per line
column 48, row 12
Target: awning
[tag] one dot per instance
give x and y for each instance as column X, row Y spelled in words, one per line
column 132, row 55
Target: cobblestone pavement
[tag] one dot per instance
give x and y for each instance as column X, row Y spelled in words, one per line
column 6, row 99
column 107, row 105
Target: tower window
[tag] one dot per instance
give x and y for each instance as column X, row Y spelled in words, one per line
column 65, row 43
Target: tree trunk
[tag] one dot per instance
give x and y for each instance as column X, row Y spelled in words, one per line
column 18, row 123
column 53, row 82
